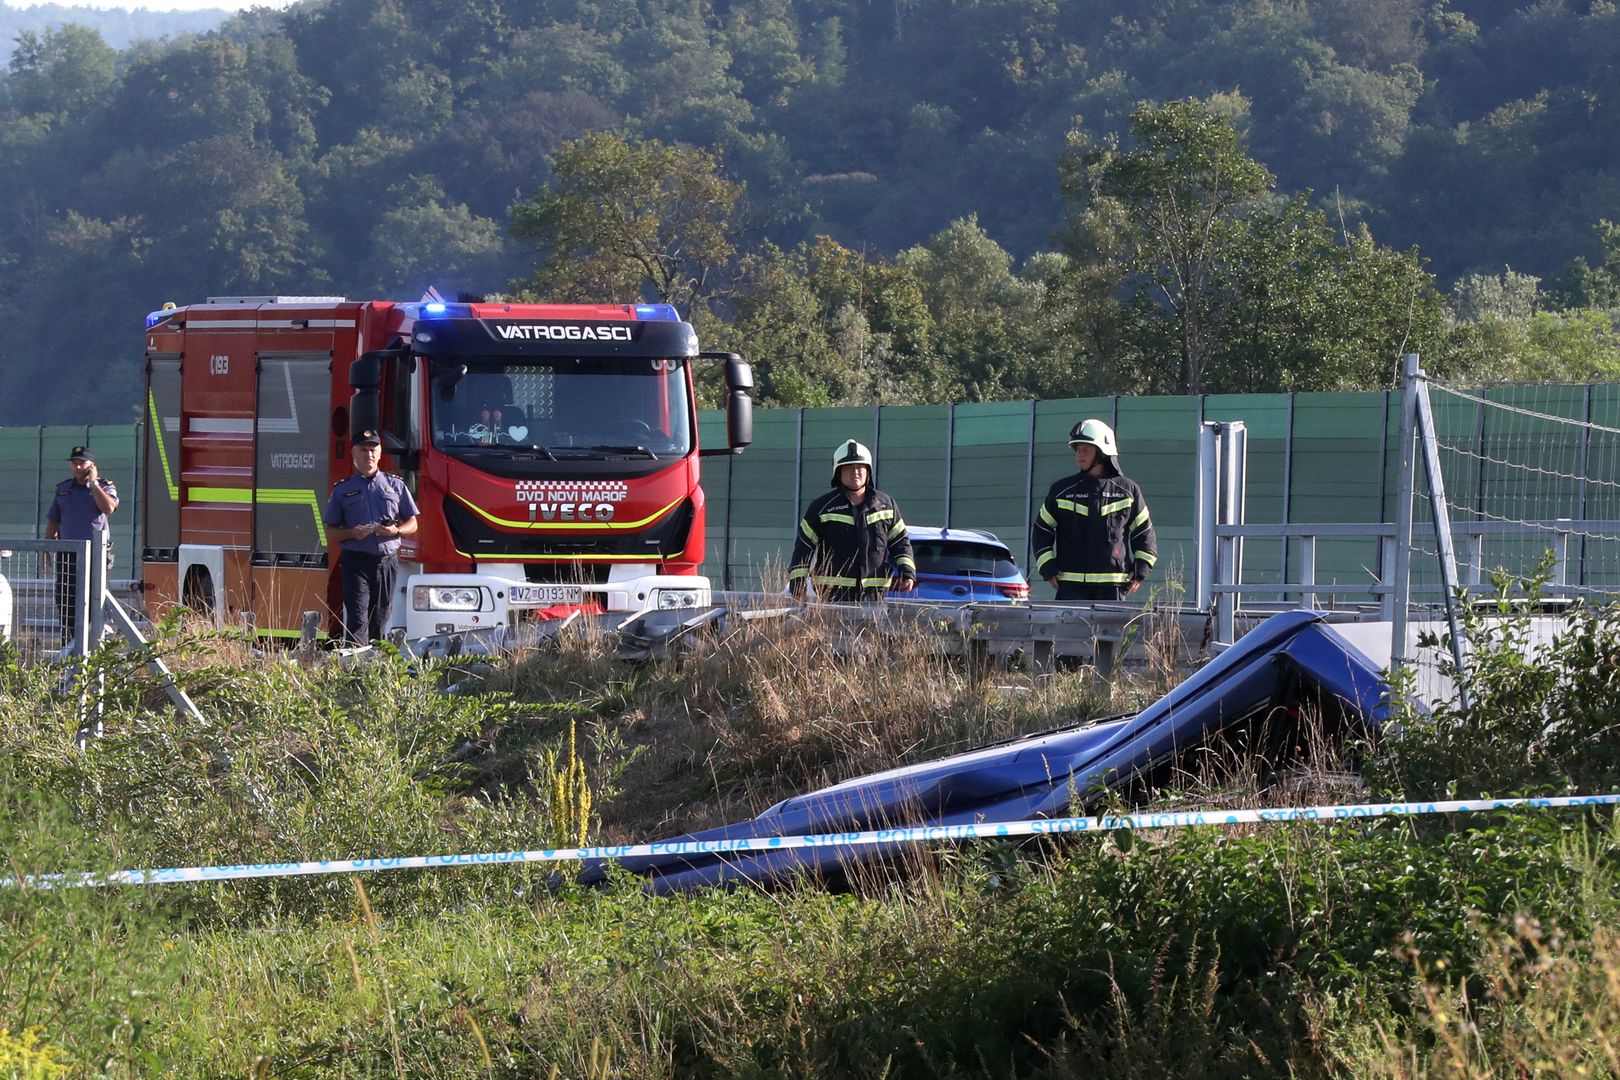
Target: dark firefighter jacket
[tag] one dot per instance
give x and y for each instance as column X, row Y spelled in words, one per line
column 1094, row 531
column 845, row 546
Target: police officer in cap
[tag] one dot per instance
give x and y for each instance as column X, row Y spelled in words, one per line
column 79, row 510
column 369, row 513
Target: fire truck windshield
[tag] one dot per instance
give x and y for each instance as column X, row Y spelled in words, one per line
column 563, row 409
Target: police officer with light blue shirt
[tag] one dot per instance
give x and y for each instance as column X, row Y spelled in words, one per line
column 78, row 511
column 368, row 514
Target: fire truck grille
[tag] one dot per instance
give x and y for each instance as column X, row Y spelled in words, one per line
column 663, row 539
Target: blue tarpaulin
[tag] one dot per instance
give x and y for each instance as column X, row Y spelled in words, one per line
column 1042, row 775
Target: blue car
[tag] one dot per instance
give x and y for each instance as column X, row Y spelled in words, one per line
column 963, row 566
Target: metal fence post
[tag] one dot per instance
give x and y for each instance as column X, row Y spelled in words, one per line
column 1204, row 485
column 1238, row 451
column 950, row 453
column 97, row 601
column 1401, row 595
column 1441, row 514
column 1233, row 445
column 1307, row 569
column 81, row 599
column 1387, row 562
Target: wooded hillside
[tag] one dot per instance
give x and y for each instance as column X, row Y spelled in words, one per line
column 922, row 199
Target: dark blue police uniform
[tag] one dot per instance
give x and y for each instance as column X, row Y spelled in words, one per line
column 75, row 511
column 77, row 517
column 370, row 565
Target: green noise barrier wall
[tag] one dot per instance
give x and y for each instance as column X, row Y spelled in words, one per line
column 1312, row 458
column 34, row 460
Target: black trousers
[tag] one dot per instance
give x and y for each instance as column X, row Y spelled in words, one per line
column 368, row 594
column 67, row 593
column 1075, row 590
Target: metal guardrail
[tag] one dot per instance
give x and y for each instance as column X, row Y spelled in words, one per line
column 1042, row 636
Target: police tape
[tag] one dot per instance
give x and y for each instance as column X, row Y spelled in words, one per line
column 755, row 845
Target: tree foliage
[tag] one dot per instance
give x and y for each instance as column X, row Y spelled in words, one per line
column 1167, row 213
column 1205, row 282
column 629, row 220
column 1212, row 214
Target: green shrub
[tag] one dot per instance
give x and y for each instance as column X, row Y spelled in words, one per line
column 287, row 763
column 1269, row 950
column 1544, row 716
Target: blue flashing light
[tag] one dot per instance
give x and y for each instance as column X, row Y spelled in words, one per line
column 156, row 317
column 437, row 309
column 657, row 313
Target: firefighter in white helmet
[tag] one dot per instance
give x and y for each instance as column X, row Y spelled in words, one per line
column 1093, row 537
column 852, row 543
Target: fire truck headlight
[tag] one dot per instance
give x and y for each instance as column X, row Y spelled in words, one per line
column 447, row 598
column 671, row 599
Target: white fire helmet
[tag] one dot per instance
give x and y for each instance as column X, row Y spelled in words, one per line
column 851, row 453
column 1096, row 433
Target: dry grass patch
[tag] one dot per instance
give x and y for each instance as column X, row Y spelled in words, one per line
column 774, row 707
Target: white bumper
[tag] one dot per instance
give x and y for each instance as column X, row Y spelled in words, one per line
column 432, row 604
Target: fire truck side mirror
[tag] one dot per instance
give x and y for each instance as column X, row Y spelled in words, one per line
column 739, row 375
column 365, row 404
column 739, row 406
column 739, row 420
column 366, row 371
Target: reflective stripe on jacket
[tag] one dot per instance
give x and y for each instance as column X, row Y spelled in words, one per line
column 1094, row 531
column 843, row 545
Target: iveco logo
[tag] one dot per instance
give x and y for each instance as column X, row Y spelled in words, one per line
column 553, row 511
column 538, row 331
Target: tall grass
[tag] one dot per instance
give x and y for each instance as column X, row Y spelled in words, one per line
column 774, row 707
column 1373, row 949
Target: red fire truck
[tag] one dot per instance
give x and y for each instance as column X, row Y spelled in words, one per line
column 551, row 448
